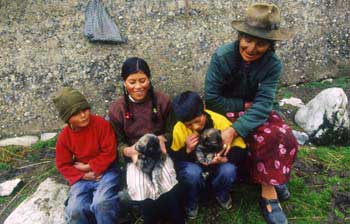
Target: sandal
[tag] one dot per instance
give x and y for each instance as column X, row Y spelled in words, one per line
column 282, row 192
column 276, row 215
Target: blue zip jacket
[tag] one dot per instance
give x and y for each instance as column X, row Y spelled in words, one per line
column 230, row 82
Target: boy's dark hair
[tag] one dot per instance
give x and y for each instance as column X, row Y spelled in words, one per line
column 131, row 66
column 187, row 106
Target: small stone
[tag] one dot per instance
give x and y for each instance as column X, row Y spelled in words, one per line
column 292, row 101
column 7, row 187
column 301, row 137
column 47, row 136
column 23, row 141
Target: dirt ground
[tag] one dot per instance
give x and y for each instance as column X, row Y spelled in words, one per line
column 340, row 199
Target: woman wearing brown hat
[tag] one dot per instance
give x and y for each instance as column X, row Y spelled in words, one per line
column 241, row 83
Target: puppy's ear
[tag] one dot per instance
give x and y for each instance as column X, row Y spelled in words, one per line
column 205, row 139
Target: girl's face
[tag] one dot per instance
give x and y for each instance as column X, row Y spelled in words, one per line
column 79, row 120
column 252, row 48
column 137, row 85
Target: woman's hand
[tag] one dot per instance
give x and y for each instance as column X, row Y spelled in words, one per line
column 247, row 105
column 227, row 136
column 84, row 167
column 191, row 142
column 162, row 141
column 131, row 153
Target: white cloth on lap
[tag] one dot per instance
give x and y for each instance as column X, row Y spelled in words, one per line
column 140, row 186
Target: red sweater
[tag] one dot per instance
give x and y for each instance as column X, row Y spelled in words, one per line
column 94, row 144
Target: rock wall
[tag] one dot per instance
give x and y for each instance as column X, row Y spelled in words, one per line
column 42, row 48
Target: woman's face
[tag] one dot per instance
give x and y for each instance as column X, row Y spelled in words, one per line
column 252, row 48
column 137, row 85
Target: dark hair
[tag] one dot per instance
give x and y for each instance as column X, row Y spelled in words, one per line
column 271, row 42
column 187, row 106
column 131, row 66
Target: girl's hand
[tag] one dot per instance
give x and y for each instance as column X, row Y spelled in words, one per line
column 162, row 141
column 84, row 167
column 191, row 142
column 131, row 153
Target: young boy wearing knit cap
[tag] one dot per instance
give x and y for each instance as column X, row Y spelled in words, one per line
column 193, row 119
column 85, row 156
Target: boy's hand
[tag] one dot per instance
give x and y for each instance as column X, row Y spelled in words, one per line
column 191, row 142
column 91, row 176
column 84, row 167
column 220, row 157
column 205, row 164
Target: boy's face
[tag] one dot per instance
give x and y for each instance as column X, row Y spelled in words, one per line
column 80, row 119
column 197, row 123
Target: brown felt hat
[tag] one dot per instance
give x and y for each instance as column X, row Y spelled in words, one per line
column 69, row 101
column 263, row 20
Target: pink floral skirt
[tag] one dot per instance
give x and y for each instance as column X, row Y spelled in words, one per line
column 272, row 151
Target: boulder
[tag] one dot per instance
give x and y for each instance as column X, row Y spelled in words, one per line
column 45, row 206
column 325, row 118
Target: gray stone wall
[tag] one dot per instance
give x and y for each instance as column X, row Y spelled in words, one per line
column 42, row 48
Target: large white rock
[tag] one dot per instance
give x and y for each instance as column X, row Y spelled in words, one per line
column 45, row 206
column 7, row 187
column 23, row 141
column 325, row 114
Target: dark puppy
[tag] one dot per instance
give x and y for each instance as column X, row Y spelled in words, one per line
column 150, row 153
column 210, row 143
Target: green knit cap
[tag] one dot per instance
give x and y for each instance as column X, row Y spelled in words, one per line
column 69, row 101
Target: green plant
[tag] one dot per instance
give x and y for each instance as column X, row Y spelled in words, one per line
column 342, row 82
column 44, row 144
column 4, row 166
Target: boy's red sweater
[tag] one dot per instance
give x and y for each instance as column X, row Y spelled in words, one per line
column 94, row 144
